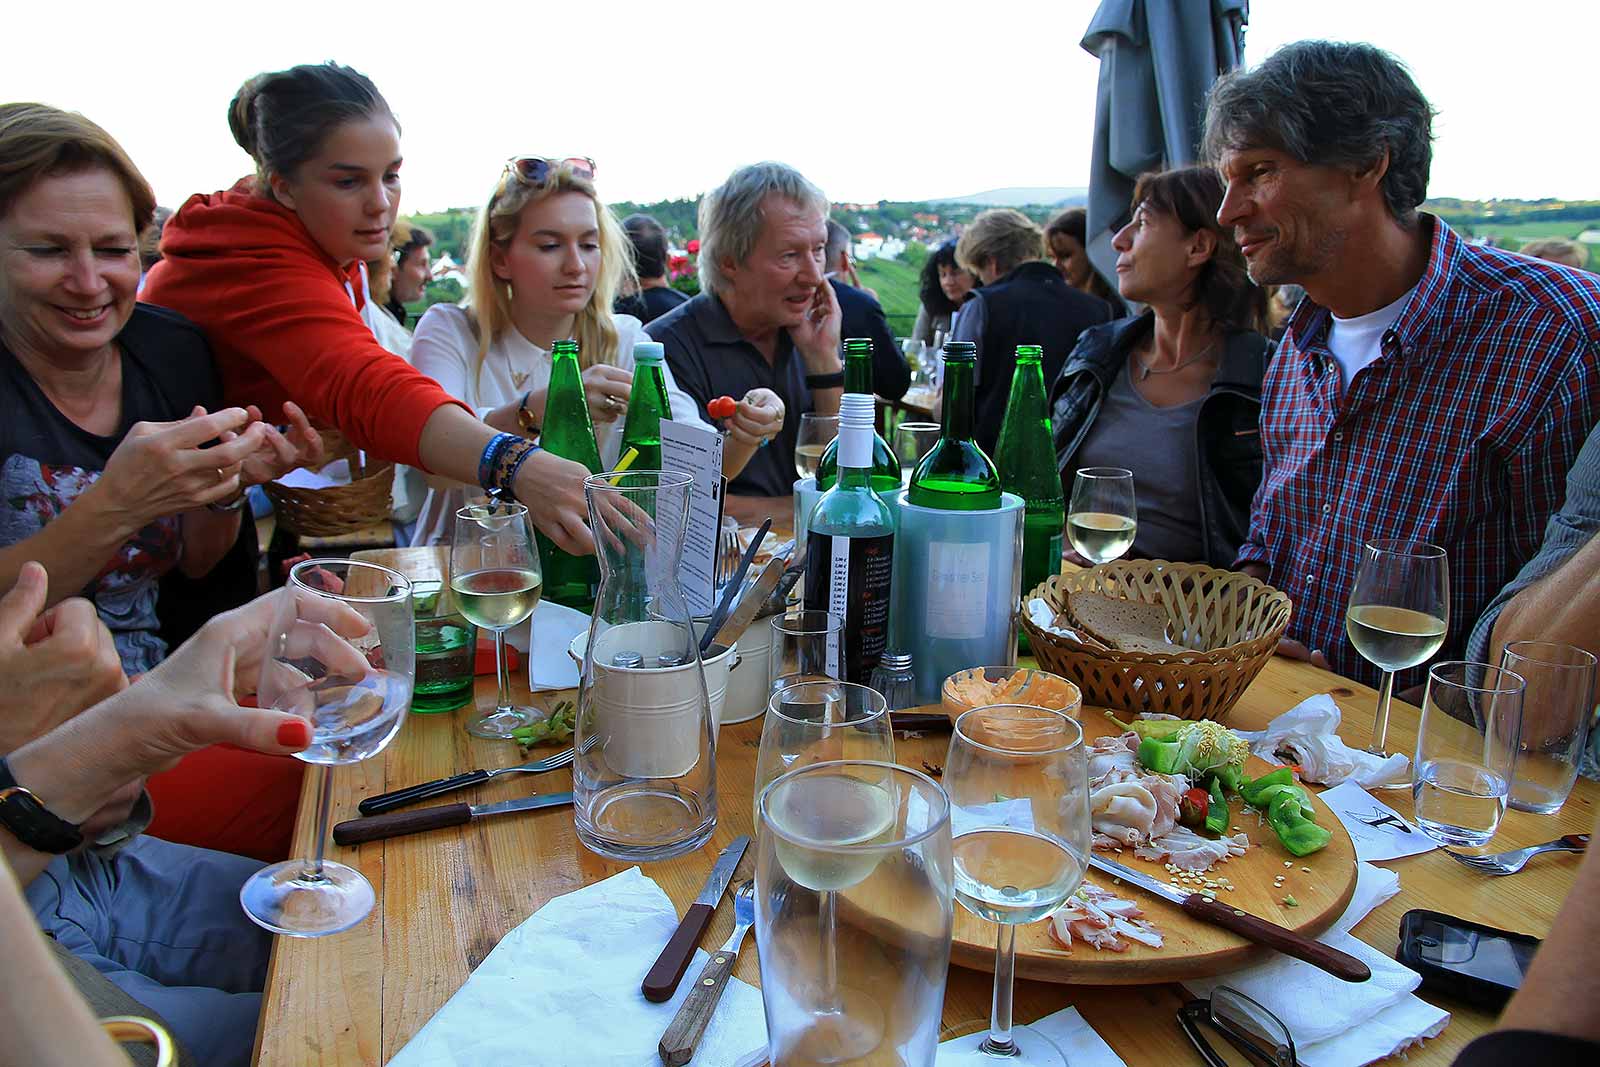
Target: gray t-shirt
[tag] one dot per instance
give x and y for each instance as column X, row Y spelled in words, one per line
column 1158, row 445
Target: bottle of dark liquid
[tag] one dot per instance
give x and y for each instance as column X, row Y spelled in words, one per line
column 568, row 433
column 955, row 475
column 850, row 547
column 647, row 406
column 885, row 473
column 1026, row 457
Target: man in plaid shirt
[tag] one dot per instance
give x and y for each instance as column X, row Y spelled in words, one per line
column 1425, row 388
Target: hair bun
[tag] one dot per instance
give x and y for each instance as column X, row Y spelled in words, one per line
column 242, row 114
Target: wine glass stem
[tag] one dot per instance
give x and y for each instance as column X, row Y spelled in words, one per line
column 830, row 953
column 1380, row 723
column 1005, row 966
column 502, row 672
column 324, row 813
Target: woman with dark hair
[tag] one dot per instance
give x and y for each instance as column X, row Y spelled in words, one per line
column 1068, row 237
column 272, row 271
column 1175, row 393
column 944, row 288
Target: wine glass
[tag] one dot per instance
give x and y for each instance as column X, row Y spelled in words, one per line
column 1466, row 751
column 495, row 575
column 915, row 352
column 1398, row 614
column 873, row 840
column 1018, row 782
column 1102, row 517
column 342, row 654
column 821, row 719
column 816, row 431
column 911, row 442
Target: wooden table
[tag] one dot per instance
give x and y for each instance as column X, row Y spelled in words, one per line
column 446, row 898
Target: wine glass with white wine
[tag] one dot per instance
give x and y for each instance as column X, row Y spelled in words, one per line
column 1399, row 612
column 816, row 432
column 1102, row 517
column 497, row 581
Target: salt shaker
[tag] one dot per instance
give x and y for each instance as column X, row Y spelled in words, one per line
column 895, row 680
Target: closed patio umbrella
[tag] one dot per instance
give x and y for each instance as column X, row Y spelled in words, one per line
column 1158, row 59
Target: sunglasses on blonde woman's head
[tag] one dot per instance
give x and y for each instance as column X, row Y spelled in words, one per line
column 536, row 170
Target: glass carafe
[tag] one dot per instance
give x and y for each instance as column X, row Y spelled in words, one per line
column 644, row 781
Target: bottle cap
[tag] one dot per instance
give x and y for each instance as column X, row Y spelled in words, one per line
column 856, row 411
column 895, row 661
column 648, row 352
column 960, row 350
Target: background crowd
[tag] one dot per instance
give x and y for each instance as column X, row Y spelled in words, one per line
column 1414, row 386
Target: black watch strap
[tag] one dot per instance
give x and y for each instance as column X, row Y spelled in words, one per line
column 30, row 822
column 834, row 380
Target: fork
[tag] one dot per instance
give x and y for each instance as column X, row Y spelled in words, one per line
column 694, row 1014
column 1513, row 861
column 411, row 794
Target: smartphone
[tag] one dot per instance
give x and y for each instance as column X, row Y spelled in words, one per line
column 1476, row 963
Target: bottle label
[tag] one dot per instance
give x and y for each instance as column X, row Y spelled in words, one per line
column 849, row 577
column 958, row 589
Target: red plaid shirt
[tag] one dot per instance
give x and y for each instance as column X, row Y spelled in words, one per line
column 1459, row 434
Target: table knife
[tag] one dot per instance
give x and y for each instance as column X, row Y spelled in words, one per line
column 662, row 980
column 396, row 823
column 1250, row 927
column 744, row 612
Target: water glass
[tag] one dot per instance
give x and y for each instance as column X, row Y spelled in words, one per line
column 447, row 646
column 341, row 655
column 1102, row 517
column 1466, row 751
column 819, row 722
column 806, row 645
column 911, row 442
column 853, row 914
column 1556, row 708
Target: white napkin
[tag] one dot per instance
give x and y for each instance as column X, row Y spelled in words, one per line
column 554, row 627
column 1310, row 732
column 1377, row 830
column 563, row 988
column 1070, row 1032
column 1336, row 1023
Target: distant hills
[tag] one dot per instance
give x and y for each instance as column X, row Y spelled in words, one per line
column 1022, row 196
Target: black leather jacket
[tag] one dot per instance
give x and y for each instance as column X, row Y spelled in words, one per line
column 1228, row 431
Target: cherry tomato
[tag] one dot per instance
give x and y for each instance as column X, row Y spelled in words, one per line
column 722, row 407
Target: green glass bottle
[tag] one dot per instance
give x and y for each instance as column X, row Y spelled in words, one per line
column 955, row 475
column 647, row 406
column 850, row 549
column 885, row 472
column 568, row 433
column 1026, row 457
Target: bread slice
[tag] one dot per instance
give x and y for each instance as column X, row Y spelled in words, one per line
column 1128, row 625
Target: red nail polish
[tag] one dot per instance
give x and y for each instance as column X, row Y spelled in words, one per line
column 296, row 733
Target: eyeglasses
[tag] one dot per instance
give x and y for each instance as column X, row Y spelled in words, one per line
column 536, row 170
column 1247, row 1026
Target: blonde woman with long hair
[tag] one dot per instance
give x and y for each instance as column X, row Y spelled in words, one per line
column 547, row 260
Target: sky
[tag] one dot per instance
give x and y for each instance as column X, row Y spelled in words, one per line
column 871, row 99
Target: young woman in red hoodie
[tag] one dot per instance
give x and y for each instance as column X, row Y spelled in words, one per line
column 270, row 271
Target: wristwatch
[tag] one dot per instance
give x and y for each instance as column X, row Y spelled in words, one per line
column 525, row 420
column 831, row 380
column 30, row 822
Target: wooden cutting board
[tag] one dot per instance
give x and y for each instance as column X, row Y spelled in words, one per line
column 1193, row 949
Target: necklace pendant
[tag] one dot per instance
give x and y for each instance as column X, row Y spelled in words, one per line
column 517, row 378
column 1144, row 372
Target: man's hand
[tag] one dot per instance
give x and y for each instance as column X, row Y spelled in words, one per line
column 54, row 664
column 1289, row 648
column 817, row 336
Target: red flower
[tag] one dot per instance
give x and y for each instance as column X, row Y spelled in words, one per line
column 678, row 262
column 693, row 246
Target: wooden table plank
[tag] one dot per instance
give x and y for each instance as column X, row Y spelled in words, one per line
column 446, row 898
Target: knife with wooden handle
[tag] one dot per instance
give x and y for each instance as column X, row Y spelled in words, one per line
column 662, row 980
column 398, row 823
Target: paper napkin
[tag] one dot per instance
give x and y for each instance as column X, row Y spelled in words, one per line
column 1309, row 732
column 1377, row 830
column 1068, row 1030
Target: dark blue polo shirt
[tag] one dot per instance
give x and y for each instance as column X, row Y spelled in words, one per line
column 710, row 358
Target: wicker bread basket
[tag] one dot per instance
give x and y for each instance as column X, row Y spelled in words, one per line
column 336, row 509
column 1237, row 618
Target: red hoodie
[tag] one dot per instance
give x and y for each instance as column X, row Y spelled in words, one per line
column 283, row 326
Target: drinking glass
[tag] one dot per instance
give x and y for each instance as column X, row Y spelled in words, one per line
column 341, row 654
column 1556, row 707
column 497, row 580
column 911, row 442
column 1018, row 782
column 805, row 647
column 446, row 648
column 916, row 353
column 1398, row 614
column 1466, row 751
column 821, row 721
column 1102, row 517
column 816, row 431
column 853, row 914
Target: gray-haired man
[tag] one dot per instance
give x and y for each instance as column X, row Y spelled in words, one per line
column 765, row 327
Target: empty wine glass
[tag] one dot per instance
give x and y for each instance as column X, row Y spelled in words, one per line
column 911, row 442
column 1466, row 751
column 816, row 432
column 342, row 655
column 1398, row 614
column 1018, row 782
column 821, row 720
column 1102, row 517
column 497, row 580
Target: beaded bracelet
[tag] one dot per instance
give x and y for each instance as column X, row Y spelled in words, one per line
column 492, row 453
column 509, row 463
